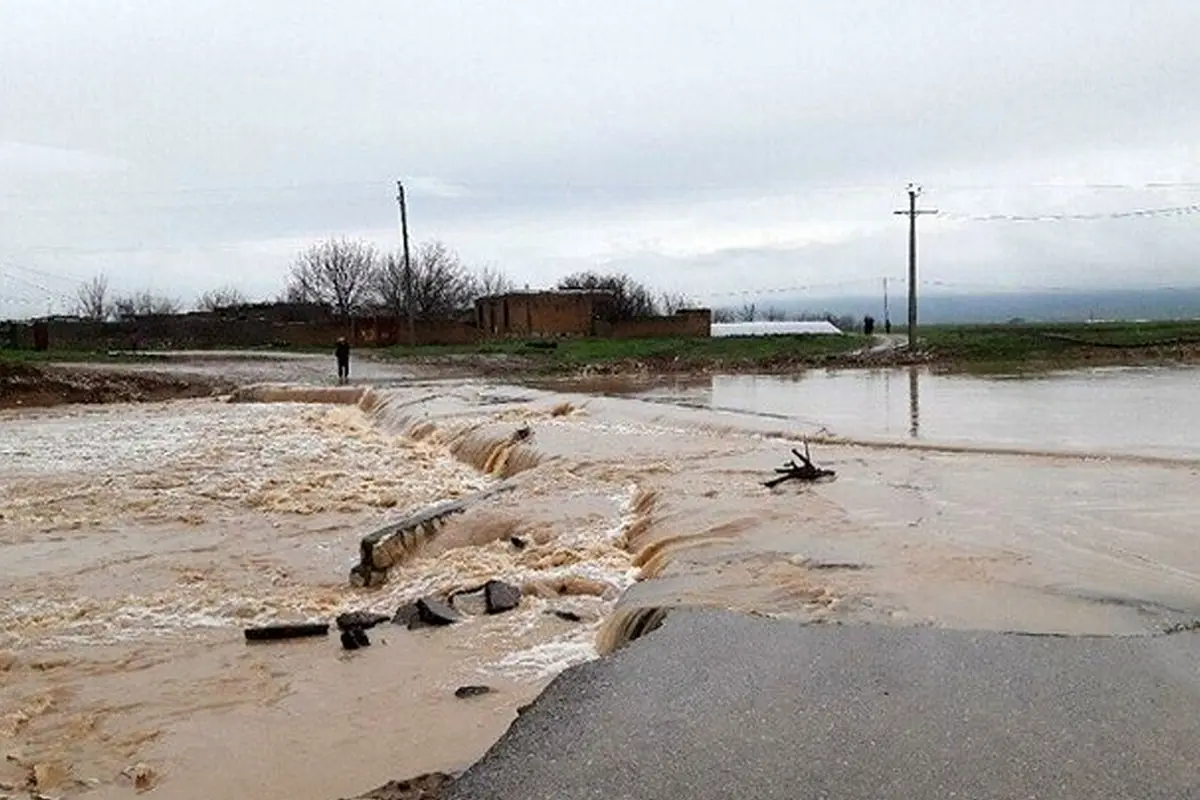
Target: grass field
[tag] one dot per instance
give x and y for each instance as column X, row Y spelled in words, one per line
column 575, row 353
column 973, row 347
column 983, row 345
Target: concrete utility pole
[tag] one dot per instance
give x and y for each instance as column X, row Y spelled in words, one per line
column 887, row 317
column 912, row 213
column 408, row 287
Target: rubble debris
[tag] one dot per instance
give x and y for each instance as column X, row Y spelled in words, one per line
column 385, row 547
column 426, row 612
column 360, row 619
column 354, row 638
column 493, row 597
column 463, row 692
column 804, row 471
column 501, row 596
column 266, row 633
column 429, row 786
column 568, row 616
column 432, row 611
column 142, row 775
column 408, row 616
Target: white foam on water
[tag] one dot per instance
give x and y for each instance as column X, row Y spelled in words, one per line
column 547, row 659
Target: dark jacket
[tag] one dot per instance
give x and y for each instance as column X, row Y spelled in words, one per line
column 343, row 351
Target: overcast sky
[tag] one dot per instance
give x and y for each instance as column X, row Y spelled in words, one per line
column 710, row 147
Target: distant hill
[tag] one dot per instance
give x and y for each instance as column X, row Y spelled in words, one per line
column 1057, row 306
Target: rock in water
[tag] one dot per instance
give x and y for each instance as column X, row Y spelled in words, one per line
column 434, row 612
column 501, row 596
column 408, row 616
column 349, row 642
column 360, row 636
column 464, row 692
column 517, row 542
column 569, row 616
column 470, row 601
column 360, row 619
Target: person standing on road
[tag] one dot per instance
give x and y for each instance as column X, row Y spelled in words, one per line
column 343, row 359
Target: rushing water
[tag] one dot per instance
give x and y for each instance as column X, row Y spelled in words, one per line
column 138, row 540
column 1150, row 411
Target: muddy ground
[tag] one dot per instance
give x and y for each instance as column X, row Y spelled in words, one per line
column 36, row 385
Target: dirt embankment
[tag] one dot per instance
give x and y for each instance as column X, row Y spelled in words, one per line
column 31, row 386
column 515, row 367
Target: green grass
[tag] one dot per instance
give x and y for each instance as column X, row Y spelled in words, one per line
column 573, row 353
column 1051, row 343
column 17, row 356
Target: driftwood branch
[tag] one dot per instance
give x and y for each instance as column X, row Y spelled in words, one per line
column 802, row 471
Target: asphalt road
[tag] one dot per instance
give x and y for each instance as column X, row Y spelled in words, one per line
column 716, row 705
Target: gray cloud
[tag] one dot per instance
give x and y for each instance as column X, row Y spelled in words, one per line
column 701, row 145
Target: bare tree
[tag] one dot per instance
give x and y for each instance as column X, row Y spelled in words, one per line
column 224, row 297
column 441, row 285
column 747, row 313
column 91, row 299
column 491, row 281
column 723, row 315
column 773, row 314
column 336, row 272
column 143, row 304
column 674, row 301
column 630, row 298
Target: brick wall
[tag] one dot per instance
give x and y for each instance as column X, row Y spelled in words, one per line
column 549, row 314
column 540, row 314
column 689, row 323
column 203, row 331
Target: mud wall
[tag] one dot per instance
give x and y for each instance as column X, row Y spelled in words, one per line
column 690, row 323
column 202, row 331
column 544, row 314
column 540, row 314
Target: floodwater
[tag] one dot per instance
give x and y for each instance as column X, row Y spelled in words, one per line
column 1130, row 410
column 139, row 540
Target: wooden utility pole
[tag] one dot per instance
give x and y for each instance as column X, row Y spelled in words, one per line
column 408, row 277
column 912, row 213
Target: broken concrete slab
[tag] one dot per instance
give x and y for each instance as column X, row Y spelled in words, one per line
column 432, row 611
column 360, row 619
column 280, row 631
column 408, row 616
column 390, row 545
column 500, row 596
column 492, row 597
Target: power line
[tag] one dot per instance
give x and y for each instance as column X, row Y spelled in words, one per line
column 1104, row 215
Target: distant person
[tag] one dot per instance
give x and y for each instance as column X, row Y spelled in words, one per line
column 887, row 326
column 868, row 325
column 343, row 359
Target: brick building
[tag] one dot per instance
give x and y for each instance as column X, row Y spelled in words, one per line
column 567, row 312
column 578, row 312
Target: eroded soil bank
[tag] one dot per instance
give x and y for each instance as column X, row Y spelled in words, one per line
column 39, row 386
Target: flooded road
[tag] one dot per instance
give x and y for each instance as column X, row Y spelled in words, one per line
column 1126, row 410
column 139, row 540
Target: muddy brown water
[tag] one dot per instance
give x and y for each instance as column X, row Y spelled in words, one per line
column 138, row 540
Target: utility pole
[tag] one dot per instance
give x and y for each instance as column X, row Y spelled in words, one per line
column 887, row 319
column 912, row 213
column 408, row 277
